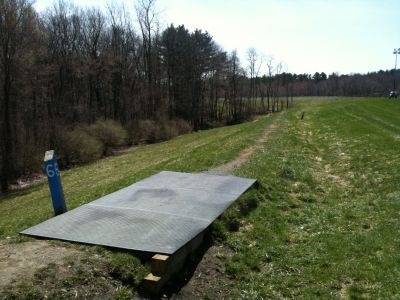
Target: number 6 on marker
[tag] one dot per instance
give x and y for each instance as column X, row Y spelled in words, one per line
column 49, row 170
column 54, row 178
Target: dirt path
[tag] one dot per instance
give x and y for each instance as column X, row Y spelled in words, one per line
column 20, row 261
column 40, row 269
column 246, row 153
column 209, row 277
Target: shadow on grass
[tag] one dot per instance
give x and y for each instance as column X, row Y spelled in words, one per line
column 216, row 233
column 178, row 281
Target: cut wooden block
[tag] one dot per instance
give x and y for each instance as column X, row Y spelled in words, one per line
column 162, row 264
column 153, row 284
column 163, row 267
column 159, row 263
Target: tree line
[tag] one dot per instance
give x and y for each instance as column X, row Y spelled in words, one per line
column 65, row 70
column 70, row 67
column 372, row 84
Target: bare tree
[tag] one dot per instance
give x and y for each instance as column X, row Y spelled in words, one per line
column 270, row 74
column 278, row 71
column 92, row 30
column 17, row 28
column 147, row 18
column 252, row 57
column 70, row 67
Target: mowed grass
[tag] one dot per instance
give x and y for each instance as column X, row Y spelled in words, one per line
column 325, row 221
column 195, row 152
column 328, row 223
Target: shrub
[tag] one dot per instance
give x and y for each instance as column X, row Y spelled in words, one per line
column 213, row 124
column 28, row 159
column 81, row 147
column 144, row 131
column 168, row 130
column 182, row 126
column 149, row 131
column 110, row 133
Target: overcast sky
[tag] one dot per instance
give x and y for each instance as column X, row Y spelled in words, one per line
column 345, row 36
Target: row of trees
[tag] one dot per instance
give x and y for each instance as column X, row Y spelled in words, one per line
column 70, row 67
column 371, row 84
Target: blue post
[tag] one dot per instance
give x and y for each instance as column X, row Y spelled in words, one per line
column 54, row 178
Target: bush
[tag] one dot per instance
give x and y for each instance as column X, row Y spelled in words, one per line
column 28, row 161
column 110, row 133
column 215, row 124
column 144, row 131
column 168, row 130
column 149, row 131
column 181, row 126
column 81, row 147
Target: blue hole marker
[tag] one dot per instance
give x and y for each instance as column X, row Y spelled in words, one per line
column 54, row 178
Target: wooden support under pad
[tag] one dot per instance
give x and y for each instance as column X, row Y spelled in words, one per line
column 163, row 266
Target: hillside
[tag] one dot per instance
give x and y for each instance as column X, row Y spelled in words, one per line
column 323, row 222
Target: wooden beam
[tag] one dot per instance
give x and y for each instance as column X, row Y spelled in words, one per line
column 163, row 266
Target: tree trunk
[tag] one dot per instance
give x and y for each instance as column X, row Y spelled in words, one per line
column 6, row 170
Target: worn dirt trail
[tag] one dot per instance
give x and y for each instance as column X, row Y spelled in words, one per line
column 20, row 261
column 209, row 276
column 244, row 156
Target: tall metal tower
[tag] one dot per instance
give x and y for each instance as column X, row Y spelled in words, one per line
column 395, row 52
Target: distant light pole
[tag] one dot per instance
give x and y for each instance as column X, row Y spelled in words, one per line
column 395, row 52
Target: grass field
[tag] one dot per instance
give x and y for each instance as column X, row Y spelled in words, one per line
column 189, row 153
column 329, row 226
column 327, row 220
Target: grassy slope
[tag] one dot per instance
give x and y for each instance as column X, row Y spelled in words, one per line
column 189, row 153
column 329, row 223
